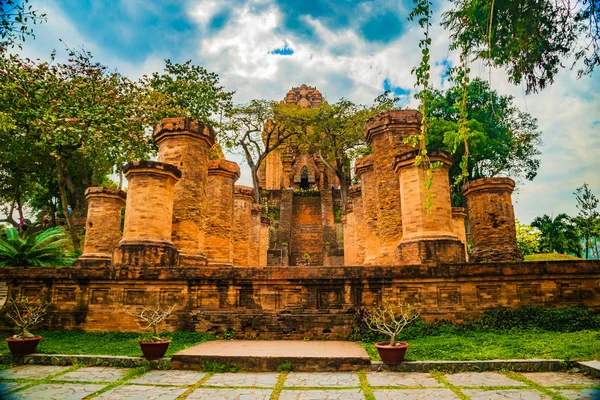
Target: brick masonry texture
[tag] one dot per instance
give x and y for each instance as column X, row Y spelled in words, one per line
column 385, row 133
column 103, row 224
column 492, row 219
column 296, row 302
column 242, row 223
column 218, row 239
column 185, row 143
column 363, row 168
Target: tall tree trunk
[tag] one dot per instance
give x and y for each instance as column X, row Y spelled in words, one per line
column 255, row 184
column 65, row 204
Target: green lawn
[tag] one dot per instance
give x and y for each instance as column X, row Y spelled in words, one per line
column 582, row 345
column 106, row 343
column 550, row 257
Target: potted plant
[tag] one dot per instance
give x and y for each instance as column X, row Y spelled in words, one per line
column 390, row 320
column 25, row 312
column 153, row 346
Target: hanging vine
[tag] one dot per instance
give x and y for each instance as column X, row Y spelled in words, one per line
column 423, row 14
column 461, row 78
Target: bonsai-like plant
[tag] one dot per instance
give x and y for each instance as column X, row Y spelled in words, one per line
column 26, row 312
column 149, row 318
column 284, row 244
column 390, row 320
column 307, row 258
column 42, row 249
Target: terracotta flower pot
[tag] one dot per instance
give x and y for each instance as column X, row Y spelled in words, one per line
column 23, row 347
column 154, row 350
column 391, row 355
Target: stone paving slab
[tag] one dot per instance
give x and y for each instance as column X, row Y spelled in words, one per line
column 175, row 378
column 256, row 379
column 134, row 392
column 561, row 379
column 482, row 379
column 95, row 374
column 9, row 386
column 344, row 394
column 579, row 394
column 31, row 372
column 231, row 394
column 402, row 379
column 55, row 391
column 507, row 394
column 322, row 379
column 414, row 394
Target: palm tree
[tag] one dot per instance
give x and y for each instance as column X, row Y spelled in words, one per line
column 558, row 235
column 41, row 249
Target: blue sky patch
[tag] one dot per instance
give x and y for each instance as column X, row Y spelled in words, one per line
column 286, row 50
column 395, row 90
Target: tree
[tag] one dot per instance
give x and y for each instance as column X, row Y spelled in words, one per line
column 530, row 38
column 558, row 235
column 193, row 89
column 336, row 135
column 528, row 239
column 14, row 17
column 502, row 139
column 42, row 249
column 260, row 127
column 588, row 219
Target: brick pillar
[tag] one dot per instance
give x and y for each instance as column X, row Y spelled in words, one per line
column 492, row 220
column 185, row 143
column 355, row 195
column 363, row 168
column 254, row 244
column 146, row 237
column 385, row 133
column 218, row 238
column 327, row 217
column 103, row 224
column 265, row 223
column 349, row 228
column 459, row 215
column 242, row 222
column 426, row 238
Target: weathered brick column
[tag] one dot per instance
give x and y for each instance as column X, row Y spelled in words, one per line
column 265, row 223
column 218, row 239
column 363, row 168
column 255, row 227
column 185, row 143
column 492, row 220
column 348, row 225
column 426, row 238
column 146, row 237
column 242, row 222
column 103, row 224
column 459, row 216
column 355, row 195
column 385, row 133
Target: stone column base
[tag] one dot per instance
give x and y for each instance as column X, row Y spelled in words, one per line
column 192, row 260
column 430, row 251
column 491, row 255
column 145, row 254
column 93, row 260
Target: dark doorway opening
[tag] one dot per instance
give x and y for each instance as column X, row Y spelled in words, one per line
column 304, row 185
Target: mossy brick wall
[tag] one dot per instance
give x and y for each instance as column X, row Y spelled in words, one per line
column 296, row 302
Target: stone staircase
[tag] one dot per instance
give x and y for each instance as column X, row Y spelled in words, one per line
column 307, row 231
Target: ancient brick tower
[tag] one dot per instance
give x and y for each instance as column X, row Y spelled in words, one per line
column 306, row 223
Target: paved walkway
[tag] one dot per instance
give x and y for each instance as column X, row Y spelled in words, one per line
column 74, row 383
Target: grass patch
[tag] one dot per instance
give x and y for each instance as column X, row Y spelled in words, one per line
column 105, row 343
column 583, row 345
column 550, row 257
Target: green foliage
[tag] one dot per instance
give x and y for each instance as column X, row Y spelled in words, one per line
column 14, row 17
column 307, row 192
column 588, row 219
column 192, row 89
column 42, row 249
column 501, row 138
column 529, row 38
column 107, row 343
column 337, row 215
column 550, row 257
column 558, row 235
column 213, row 366
column 284, row 367
column 528, row 238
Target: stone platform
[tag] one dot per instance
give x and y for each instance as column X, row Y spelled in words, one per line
column 260, row 355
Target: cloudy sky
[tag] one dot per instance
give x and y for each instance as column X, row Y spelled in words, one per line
column 352, row 49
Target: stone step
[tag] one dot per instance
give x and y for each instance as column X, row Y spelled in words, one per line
column 263, row 355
